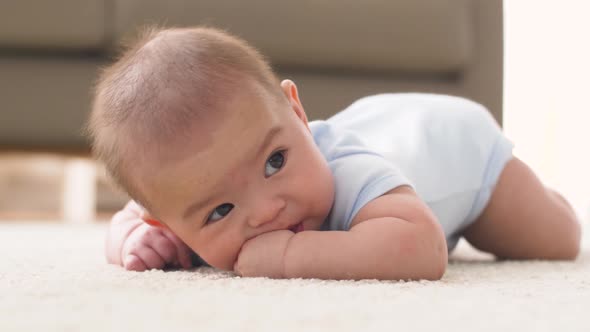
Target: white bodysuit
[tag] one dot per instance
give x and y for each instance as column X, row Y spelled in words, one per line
column 449, row 149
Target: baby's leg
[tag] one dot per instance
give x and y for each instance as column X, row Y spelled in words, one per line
column 525, row 220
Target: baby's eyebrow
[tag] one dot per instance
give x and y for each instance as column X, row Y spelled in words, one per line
column 274, row 131
column 196, row 207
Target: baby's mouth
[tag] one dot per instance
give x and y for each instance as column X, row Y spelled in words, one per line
column 297, row 228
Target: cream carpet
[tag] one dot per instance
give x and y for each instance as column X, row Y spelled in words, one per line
column 53, row 277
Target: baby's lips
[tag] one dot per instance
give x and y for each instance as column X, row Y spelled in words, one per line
column 297, row 228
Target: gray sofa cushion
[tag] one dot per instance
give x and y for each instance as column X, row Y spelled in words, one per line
column 336, row 50
column 418, row 35
column 54, row 24
column 44, row 101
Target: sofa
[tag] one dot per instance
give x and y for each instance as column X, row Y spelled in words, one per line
column 337, row 51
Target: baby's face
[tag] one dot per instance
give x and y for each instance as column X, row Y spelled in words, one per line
column 259, row 171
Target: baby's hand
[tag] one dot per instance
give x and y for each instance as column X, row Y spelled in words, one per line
column 137, row 246
column 262, row 256
column 148, row 247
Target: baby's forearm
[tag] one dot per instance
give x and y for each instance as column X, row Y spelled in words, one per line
column 383, row 248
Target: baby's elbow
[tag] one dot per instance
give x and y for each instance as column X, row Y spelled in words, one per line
column 425, row 251
column 436, row 250
column 428, row 256
column 439, row 267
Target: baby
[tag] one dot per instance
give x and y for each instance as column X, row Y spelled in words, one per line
column 221, row 160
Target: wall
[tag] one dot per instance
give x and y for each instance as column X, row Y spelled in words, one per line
column 547, row 93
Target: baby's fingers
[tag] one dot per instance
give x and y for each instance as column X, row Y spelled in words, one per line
column 183, row 252
column 144, row 258
column 133, row 263
column 167, row 249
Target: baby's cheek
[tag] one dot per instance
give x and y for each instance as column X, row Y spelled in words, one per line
column 325, row 193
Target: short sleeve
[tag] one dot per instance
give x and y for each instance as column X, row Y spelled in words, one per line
column 360, row 174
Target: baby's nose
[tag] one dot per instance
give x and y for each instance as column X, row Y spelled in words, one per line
column 265, row 211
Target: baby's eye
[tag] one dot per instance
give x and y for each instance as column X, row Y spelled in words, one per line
column 274, row 163
column 220, row 212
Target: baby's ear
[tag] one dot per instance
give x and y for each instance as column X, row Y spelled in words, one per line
column 290, row 90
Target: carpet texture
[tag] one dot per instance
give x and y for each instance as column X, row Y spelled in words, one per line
column 53, row 277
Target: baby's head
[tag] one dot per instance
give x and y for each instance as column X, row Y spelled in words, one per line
column 194, row 125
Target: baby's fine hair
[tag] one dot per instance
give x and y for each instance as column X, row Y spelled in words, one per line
column 161, row 84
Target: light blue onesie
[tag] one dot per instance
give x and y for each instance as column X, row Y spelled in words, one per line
column 449, row 149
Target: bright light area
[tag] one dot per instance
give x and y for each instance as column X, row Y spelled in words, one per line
column 547, row 93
